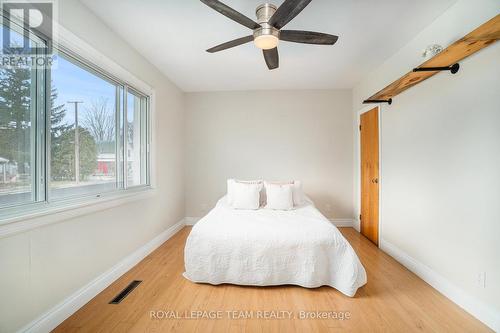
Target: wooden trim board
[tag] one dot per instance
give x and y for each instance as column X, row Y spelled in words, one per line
column 481, row 37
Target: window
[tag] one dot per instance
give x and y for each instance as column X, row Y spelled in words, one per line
column 83, row 131
column 74, row 125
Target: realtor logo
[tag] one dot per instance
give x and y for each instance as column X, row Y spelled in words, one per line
column 21, row 19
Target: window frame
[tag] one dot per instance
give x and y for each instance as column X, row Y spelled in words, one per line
column 42, row 203
column 38, row 193
column 144, row 126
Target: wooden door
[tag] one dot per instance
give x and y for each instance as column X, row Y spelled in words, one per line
column 369, row 174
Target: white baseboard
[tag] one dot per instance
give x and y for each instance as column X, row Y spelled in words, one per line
column 52, row 318
column 342, row 223
column 191, row 220
column 356, row 224
column 475, row 307
column 336, row 222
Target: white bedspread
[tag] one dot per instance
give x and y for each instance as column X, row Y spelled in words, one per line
column 266, row 247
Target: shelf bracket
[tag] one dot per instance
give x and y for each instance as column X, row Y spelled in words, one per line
column 368, row 101
column 453, row 69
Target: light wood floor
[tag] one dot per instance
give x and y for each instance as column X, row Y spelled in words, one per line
column 394, row 300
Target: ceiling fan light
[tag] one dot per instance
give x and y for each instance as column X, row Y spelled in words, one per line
column 266, row 42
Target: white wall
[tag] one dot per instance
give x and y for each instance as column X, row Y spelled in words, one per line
column 440, row 162
column 304, row 135
column 440, row 159
column 41, row 267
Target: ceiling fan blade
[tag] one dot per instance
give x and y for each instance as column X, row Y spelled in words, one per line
column 231, row 13
column 231, row 44
column 272, row 58
column 308, row 37
column 287, row 11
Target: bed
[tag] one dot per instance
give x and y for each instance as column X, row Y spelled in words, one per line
column 267, row 247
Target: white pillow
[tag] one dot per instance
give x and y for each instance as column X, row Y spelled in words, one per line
column 279, row 196
column 297, row 192
column 245, row 195
column 231, row 182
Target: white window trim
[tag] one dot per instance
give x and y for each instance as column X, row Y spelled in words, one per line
column 26, row 217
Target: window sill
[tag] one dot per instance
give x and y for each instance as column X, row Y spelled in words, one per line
column 50, row 213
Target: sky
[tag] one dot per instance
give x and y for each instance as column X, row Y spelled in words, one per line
column 76, row 84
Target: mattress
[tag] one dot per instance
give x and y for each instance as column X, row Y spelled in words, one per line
column 268, row 247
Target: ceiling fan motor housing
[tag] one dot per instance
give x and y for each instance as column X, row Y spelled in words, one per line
column 264, row 12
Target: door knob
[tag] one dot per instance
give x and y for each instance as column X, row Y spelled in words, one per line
column 375, row 180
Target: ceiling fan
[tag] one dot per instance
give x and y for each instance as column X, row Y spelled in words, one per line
column 267, row 30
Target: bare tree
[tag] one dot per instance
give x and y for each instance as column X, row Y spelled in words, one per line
column 99, row 120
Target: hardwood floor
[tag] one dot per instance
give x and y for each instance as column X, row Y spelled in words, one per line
column 394, row 300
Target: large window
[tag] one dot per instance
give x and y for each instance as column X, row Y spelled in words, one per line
column 69, row 132
column 83, row 131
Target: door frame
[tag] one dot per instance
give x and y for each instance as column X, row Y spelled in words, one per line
column 357, row 168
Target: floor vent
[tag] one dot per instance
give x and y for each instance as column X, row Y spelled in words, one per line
column 124, row 293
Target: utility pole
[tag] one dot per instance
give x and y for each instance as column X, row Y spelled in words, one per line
column 77, row 141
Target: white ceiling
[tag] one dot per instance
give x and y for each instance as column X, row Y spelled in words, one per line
column 174, row 34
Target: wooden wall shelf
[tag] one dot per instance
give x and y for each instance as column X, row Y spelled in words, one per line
column 485, row 35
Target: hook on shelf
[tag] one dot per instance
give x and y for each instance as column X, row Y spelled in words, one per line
column 388, row 101
column 453, row 69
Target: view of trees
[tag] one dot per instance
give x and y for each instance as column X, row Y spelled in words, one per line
column 15, row 117
column 99, row 120
column 63, row 155
column 15, row 130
